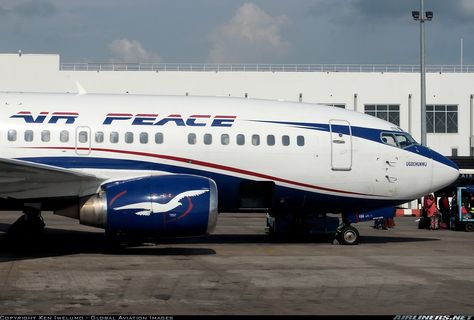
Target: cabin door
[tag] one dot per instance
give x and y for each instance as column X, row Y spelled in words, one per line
column 341, row 145
column 83, row 140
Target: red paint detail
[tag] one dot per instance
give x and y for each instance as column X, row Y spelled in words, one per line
column 210, row 165
column 147, row 115
column 226, row 117
column 118, row 195
column 119, row 115
column 190, row 207
column 200, row 116
column 174, row 116
column 66, row 113
column 24, row 112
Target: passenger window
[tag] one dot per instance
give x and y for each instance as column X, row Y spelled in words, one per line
column 99, row 137
column 389, row 139
column 255, row 139
column 240, row 139
column 45, row 136
column 83, row 136
column 143, row 137
column 128, row 137
column 158, row 138
column 11, row 135
column 192, row 138
column 225, row 139
column 114, row 137
column 300, row 141
column 271, row 140
column 64, row 136
column 285, row 140
column 207, row 139
column 29, row 135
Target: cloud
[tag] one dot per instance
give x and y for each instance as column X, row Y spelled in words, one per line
column 467, row 6
column 362, row 11
column 34, row 8
column 376, row 11
column 252, row 35
column 39, row 8
column 125, row 50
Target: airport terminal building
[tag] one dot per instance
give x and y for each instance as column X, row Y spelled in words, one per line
column 390, row 92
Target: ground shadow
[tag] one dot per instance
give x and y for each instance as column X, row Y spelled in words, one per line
column 60, row 242
column 384, row 239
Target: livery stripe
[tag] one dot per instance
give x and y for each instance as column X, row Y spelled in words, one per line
column 213, row 166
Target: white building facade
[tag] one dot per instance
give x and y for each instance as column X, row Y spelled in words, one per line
column 388, row 92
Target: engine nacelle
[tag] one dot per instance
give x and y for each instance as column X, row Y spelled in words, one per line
column 161, row 206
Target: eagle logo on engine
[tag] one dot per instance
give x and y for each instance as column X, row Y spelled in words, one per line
column 150, row 207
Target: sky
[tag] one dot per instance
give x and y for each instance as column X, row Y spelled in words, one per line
column 234, row 31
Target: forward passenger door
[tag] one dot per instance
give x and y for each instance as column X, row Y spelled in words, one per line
column 341, row 145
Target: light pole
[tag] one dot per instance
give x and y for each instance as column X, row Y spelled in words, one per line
column 422, row 16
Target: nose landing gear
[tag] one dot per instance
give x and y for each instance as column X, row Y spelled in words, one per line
column 347, row 235
column 309, row 226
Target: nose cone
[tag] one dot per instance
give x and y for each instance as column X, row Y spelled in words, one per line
column 445, row 172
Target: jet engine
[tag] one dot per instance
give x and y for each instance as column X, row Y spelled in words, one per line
column 161, row 206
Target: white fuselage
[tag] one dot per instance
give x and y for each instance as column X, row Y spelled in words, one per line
column 313, row 150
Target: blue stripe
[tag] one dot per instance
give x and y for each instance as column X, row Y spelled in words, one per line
column 368, row 134
column 285, row 198
column 361, row 132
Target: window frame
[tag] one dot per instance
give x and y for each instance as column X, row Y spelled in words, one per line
column 114, row 137
column 45, row 136
column 384, row 111
column 433, row 114
column 12, row 135
column 30, row 134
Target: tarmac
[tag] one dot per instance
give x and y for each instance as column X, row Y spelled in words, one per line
column 239, row 270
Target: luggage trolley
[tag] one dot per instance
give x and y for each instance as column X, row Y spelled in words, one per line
column 460, row 221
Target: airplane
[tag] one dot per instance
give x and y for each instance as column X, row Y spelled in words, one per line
column 165, row 166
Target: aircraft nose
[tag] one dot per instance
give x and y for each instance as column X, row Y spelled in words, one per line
column 445, row 172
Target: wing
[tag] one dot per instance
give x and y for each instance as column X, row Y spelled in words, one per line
column 27, row 180
column 190, row 193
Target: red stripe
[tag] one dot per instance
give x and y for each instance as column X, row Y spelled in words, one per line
column 146, row 115
column 118, row 195
column 24, row 112
column 190, row 207
column 119, row 115
column 226, row 117
column 200, row 116
column 209, row 165
column 174, row 116
column 65, row 113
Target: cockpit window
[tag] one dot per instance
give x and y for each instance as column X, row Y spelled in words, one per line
column 389, row 139
column 400, row 140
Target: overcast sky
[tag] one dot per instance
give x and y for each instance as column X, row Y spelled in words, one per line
column 234, row 31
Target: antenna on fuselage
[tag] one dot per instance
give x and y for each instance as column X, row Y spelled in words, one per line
column 80, row 89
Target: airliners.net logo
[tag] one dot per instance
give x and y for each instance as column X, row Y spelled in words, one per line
column 445, row 317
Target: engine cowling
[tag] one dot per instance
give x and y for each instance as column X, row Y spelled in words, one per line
column 162, row 206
